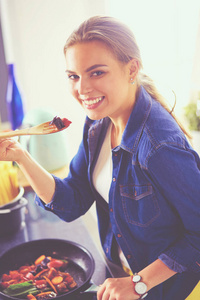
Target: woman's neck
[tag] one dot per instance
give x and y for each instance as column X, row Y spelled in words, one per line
column 119, row 121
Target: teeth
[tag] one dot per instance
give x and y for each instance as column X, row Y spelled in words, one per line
column 90, row 102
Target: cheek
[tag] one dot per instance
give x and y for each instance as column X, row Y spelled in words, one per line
column 73, row 91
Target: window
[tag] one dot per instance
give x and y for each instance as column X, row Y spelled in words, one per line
column 166, row 32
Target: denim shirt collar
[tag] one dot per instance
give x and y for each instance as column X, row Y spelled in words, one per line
column 133, row 130
column 136, row 122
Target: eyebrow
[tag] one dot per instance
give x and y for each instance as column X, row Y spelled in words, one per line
column 94, row 67
column 90, row 68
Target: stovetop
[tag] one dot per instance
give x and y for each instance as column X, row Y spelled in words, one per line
column 85, row 296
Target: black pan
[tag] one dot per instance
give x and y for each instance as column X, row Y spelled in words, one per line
column 81, row 265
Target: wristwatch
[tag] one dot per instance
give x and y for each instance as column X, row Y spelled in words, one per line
column 139, row 286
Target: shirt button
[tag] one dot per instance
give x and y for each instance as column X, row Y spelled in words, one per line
column 111, row 209
column 106, row 250
column 114, row 179
column 128, row 256
column 119, row 235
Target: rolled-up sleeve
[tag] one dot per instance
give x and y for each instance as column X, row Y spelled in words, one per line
column 175, row 171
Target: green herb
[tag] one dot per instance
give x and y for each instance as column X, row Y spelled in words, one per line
column 21, row 289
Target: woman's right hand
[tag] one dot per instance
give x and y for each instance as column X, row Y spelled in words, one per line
column 41, row 181
column 10, row 150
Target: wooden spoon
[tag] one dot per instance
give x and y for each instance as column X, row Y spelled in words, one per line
column 44, row 128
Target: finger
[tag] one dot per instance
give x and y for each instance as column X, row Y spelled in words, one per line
column 101, row 292
column 5, row 142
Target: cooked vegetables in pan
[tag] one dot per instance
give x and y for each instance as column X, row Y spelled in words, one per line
column 46, row 278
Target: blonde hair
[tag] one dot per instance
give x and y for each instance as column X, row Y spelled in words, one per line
column 121, row 41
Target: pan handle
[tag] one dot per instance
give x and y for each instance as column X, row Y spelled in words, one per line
column 92, row 289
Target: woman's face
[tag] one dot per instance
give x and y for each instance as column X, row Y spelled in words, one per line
column 99, row 82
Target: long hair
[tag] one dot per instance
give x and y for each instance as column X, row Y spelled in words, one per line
column 121, row 41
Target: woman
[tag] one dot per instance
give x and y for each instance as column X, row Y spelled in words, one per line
column 134, row 156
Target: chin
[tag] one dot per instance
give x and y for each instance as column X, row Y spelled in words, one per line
column 94, row 118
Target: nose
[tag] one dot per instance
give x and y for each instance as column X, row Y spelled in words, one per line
column 84, row 86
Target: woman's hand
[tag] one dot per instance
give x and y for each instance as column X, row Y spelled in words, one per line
column 41, row 181
column 117, row 289
column 10, row 150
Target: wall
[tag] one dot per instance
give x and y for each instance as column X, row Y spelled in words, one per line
column 3, row 81
column 38, row 30
column 35, row 33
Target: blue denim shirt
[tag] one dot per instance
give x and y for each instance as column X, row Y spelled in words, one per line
column 154, row 198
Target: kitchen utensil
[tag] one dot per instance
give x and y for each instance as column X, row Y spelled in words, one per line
column 13, row 201
column 44, row 128
column 81, row 261
column 11, row 217
column 51, row 151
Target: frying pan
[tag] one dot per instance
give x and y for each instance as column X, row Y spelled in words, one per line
column 81, row 262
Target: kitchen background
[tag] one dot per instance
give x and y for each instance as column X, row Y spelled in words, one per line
column 33, row 33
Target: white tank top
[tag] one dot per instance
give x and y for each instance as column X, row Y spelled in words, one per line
column 102, row 177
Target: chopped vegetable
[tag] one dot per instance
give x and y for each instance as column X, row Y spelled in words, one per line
column 45, row 279
column 39, row 259
column 56, row 280
column 45, row 293
column 60, row 123
column 55, row 263
column 51, row 284
column 40, row 273
column 21, row 289
column 73, row 285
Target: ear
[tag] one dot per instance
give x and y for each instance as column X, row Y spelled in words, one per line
column 133, row 69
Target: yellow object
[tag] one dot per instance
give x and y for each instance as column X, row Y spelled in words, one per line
column 195, row 295
column 9, row 187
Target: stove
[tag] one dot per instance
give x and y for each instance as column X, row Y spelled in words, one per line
column 85, row 296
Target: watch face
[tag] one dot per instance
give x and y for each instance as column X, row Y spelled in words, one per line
column 140, row 288
column 136, row 278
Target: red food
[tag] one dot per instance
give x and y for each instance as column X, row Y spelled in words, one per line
column 55, row 263
column 60, row 123
column 41, row 284
column 52, row 273
column 29, row 276
column 66, row 122
column 46, row 273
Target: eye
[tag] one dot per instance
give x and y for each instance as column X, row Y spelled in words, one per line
column 73, row 77
column 97, row 73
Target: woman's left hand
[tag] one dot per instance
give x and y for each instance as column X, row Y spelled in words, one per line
column 117, row 289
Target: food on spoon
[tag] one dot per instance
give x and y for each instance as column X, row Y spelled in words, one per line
column 46, row 278
column 60, row 123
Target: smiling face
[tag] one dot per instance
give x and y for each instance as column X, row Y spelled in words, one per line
column 99, row 81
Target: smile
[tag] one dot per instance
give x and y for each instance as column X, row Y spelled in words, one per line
column 93, row 101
